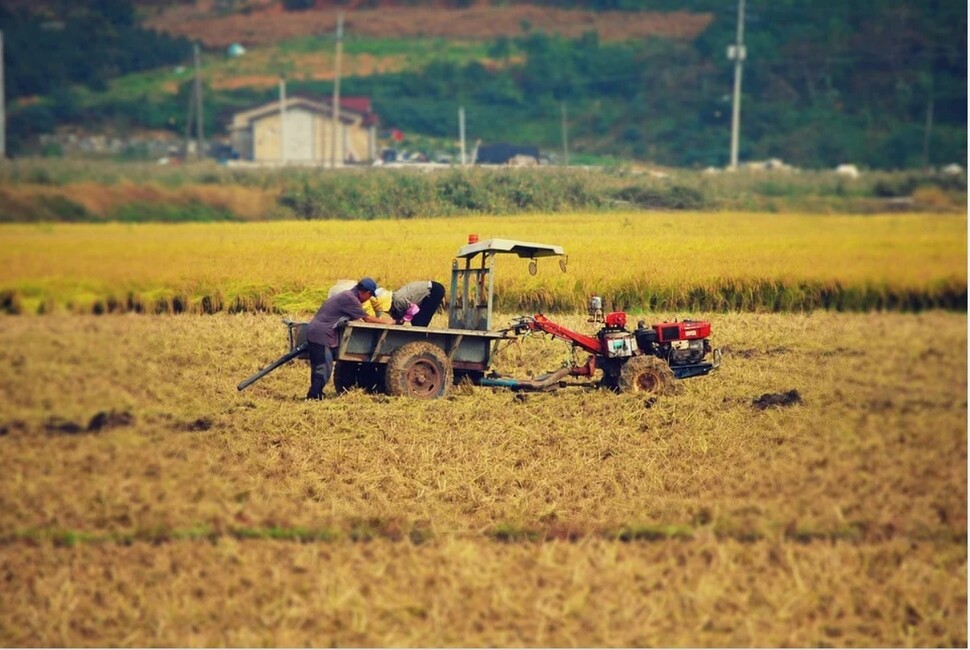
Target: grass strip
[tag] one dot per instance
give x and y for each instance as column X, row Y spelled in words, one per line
column 506, row 533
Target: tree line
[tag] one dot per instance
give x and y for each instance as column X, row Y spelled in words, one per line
column 881, row 83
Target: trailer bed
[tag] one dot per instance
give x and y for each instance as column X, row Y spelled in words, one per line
column 375, row 343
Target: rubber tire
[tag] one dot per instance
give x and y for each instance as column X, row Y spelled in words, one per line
column 646, row 374
column 345, row 375
column 420, row 370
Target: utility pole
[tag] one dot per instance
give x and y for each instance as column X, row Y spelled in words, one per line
column 197, row 89
column 461, row 132
column 737, row 53
column 336, row 91
column 189, row 122
column 565, row 137
column 928, row 129
column 283, row 119
column 3, row 114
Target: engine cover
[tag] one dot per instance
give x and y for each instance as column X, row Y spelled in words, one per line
column 685, row 329
column 687, row 352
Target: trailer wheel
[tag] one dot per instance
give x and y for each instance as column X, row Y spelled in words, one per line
column 345, row 375
column 419, row 370
column 646, row 374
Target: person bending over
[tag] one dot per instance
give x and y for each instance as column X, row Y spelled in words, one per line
column 416, row 302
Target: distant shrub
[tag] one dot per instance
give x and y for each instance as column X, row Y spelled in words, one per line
column 60, row 208
column 143, row 211
column 676, row 197
column 297, row 5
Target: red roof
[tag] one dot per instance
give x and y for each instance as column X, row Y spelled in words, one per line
column 356, row 104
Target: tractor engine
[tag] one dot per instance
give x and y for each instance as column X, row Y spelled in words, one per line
column 680, row 343
column 617, row 342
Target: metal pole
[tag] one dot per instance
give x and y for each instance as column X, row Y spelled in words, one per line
column 198, row 104
column 461, row 132
column 282, row 119
column 336, row 91
column 189, row 119
column 738, row 54
column 565, row 137
column 926, row 133
column 3, row 114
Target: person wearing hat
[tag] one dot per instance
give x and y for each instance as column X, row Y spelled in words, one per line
column 321, row 332
column 378, row 305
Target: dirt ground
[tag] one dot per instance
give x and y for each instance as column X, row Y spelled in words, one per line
column 267, row 23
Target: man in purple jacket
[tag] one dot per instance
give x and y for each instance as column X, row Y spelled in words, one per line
column 321, row 332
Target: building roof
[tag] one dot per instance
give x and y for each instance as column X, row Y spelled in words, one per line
column 350, row 112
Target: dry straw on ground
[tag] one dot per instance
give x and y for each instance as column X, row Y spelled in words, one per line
column 176, row 511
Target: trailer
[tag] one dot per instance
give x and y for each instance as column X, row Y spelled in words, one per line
column 424, row 362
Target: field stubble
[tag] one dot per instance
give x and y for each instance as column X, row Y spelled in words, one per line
column 143, row 501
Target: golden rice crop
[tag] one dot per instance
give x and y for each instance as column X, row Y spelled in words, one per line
column 635, row 260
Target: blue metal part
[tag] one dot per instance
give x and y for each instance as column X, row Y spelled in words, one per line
column 695, row 370
column 500, row 382
column 698, row 369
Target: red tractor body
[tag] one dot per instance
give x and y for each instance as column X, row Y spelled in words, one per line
column 681, row 347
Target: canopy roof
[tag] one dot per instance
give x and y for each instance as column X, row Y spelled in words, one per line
column 520, row 248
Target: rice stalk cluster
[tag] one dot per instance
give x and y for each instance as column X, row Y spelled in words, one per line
column 636, row 262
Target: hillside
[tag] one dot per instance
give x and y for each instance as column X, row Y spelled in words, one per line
column 879, row 83
column 269, row 23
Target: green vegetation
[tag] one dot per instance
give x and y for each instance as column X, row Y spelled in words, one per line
column 881, row 83
column 52, row 190
column 70, row 48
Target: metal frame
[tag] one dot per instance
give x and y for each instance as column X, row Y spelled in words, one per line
column 472, row 293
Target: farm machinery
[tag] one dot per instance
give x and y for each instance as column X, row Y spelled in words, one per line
column 423, row 362
column 647, row 359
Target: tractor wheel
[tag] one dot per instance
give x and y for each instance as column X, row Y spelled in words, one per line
column 646, row 374
column 345, row 375
column 419, row 370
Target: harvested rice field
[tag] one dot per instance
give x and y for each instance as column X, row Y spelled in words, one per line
column 145, row 502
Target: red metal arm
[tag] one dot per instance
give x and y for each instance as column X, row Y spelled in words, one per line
column 588, row 343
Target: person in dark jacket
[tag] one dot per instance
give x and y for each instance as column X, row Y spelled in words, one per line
column 416, row 302
column 322, row 333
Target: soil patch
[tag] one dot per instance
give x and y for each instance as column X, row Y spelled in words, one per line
column 102, row 420
column 790, row 398
column 268, row 25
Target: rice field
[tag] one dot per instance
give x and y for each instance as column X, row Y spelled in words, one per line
column 145, row 502
column 636, row 261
